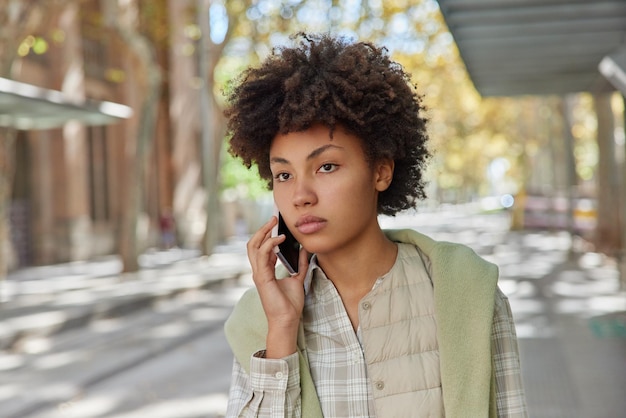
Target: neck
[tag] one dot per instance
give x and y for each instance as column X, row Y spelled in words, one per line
column 354, row 270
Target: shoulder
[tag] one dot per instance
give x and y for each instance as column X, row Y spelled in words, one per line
column 502, row 307
column 443, row 256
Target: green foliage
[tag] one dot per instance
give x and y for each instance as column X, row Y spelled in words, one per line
column 237, row 181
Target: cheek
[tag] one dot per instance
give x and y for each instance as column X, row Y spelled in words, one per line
column 347, row 190
column 280, row 198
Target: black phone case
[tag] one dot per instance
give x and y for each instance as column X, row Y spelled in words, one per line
column 289, row 249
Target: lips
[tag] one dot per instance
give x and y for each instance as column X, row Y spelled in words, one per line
column 310, row 224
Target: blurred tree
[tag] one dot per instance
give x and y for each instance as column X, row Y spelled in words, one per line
column 215, row 32
column 467, row 132
column 127, row 21
column 608, row 230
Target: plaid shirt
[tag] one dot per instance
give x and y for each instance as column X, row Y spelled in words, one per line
column 272, row 389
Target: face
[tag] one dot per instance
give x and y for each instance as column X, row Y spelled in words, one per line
column 325, row 189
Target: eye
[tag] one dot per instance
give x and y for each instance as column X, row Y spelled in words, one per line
column 328, row 168
column 281, row 177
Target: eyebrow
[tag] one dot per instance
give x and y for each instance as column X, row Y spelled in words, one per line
column 316, row 152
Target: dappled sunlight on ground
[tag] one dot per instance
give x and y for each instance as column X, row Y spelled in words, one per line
column 94, row 407
column 58, row 360
column 570, row 320
column 58, row 370
column 9, row 361
column 209, row 406
column 212, row 405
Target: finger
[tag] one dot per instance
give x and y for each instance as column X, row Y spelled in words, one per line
column 271, row 243
column 259, row 237
column 263, row 260
column 263, row 233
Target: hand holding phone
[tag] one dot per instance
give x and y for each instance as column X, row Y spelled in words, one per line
column 288, row 251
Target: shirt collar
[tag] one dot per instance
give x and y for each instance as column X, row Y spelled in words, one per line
column 308, row 279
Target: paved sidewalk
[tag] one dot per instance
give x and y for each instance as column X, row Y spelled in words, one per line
column 570, row 316
column 41, row 301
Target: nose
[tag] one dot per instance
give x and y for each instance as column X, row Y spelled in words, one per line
column 303, row 193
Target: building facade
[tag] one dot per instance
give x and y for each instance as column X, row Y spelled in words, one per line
column 70, row 189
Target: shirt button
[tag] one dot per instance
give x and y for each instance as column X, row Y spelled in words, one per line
column 279, row 375
column 380, row 385
column 366, row 305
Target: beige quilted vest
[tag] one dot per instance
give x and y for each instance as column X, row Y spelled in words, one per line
column 398, row 327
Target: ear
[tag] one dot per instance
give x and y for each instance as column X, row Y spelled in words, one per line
column 383, row 174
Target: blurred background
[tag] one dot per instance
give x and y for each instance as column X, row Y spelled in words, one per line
column 123, row 220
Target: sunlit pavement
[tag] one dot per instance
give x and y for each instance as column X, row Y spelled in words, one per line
column 569, row 312
column 83, row 340
column 49, row 299
column 167, row 361
column 571, row 321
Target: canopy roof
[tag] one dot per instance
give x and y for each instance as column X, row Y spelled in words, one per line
column 515, row 47
column 26, row 107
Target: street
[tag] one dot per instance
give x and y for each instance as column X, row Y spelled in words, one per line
column 171, row 360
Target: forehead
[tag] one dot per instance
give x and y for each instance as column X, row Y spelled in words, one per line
column 313, row 138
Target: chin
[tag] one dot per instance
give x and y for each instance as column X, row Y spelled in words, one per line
column 319, row 246
column 314, row 246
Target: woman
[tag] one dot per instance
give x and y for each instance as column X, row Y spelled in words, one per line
column 376, row 323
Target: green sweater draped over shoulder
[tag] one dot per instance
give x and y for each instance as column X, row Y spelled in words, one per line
column 464, row 287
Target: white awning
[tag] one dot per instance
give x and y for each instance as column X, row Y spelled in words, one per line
column 27, row 107
column 537, row 47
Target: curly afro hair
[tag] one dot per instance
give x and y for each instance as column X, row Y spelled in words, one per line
column 329, row 80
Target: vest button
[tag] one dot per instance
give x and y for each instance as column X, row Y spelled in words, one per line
column 380, row 385
column 366, row 305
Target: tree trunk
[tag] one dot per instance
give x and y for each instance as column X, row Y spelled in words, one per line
column 571, row 184
column 7, row 157
column 212, row 126
column 607, row 233
column 210, row 153
column 129, row 246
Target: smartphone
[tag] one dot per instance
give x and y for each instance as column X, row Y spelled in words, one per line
column 288, row 251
